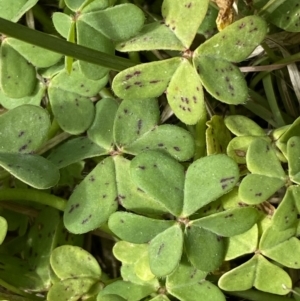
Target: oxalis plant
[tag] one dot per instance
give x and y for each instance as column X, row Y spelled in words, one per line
column 187, row 208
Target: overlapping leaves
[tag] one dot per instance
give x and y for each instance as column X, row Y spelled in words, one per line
column 129, row 128
column 213, row 59
column 148, row 171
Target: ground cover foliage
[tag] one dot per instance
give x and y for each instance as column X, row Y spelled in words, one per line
column 149, row 150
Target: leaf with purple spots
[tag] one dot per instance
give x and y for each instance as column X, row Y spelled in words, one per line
column 75, row 111
column 93, row 200
column 236, row 42
column 214, row 176
column 75, row 150
column 223, row 80
column 152, row 168
column 165, row 251
column 184, row 17
column 33, row 170
column 255, row 189
column 153, row 36
column 72, row 261
column 267, row 173
column 130, row 196
column 23, row 129
column 168, row 138
column 228, row 223
column 185, row 94
column 261, row 159
column 41, row 241
column 284, row 14
column 138, row 117
column 12, row 84
column 145, row 80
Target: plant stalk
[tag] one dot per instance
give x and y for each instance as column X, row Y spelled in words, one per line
column 56, row 44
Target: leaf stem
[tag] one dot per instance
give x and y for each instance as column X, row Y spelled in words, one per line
column 33, row 195
column 56, row 44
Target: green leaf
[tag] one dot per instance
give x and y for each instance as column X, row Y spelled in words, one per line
column 217, row 136
column 33, row 170
column 12, row 84
column 23, row 129
column 71, row 261
column 232, row 87
column 75, row 150
column 145, row 80
column 241, row 125
column 70, row 289
column 34, row 99
column 16, row 11
column 101, row 130
column 37, row 56
column 230, row 222
column 165, row 251
column 153, row 36
column 75, row 4
column 184, row 17
column 238, row 147
column 137, row 116
column 185, row 94
column 255, row 189
column 41, row 240
column 130, row 196
column 189, row 284
column 3, row 227
column 127, row 290
column 110, row 297
column 286, row 253
column 117, row 23
column 242, row 244
column 128, row 252
column 284, row 14
column 285, row 134
column 235, row 42
column 75, row 111
column 286, row 214
column 214, row 176
column 205, row 250
column 261, row 159
column 135, row 228
column 152, row 168
column 62, row 23
column 11, row 269
column 162, row 138
column 93, row 200
column 293, row 148
column 92, row 38
column 257, row 272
